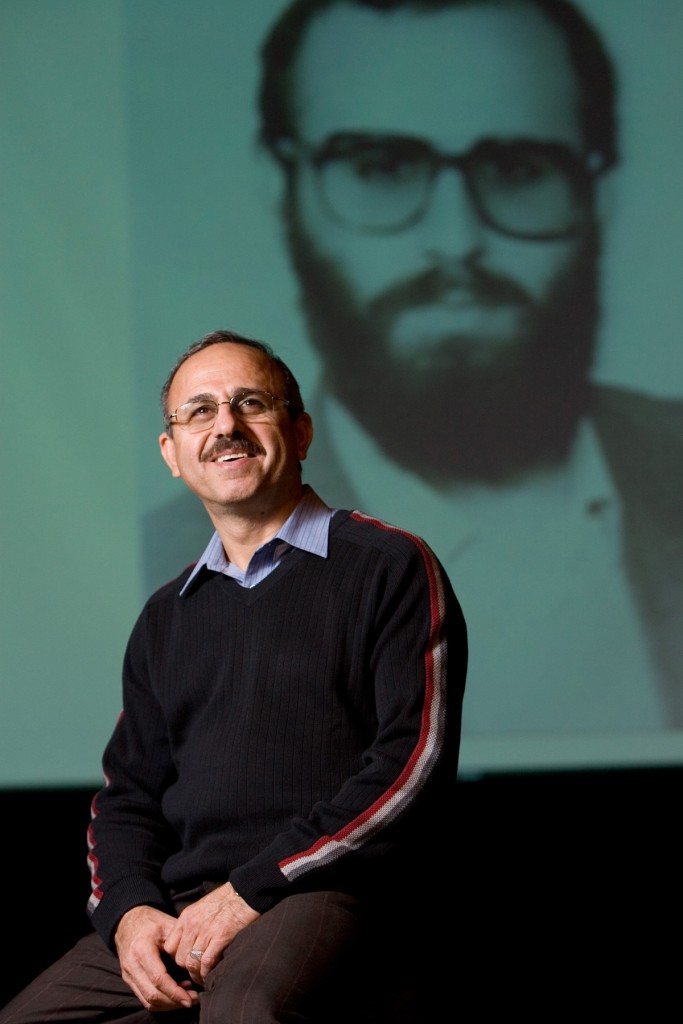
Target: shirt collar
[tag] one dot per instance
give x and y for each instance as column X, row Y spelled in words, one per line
column 307, row 528
column 449, row 520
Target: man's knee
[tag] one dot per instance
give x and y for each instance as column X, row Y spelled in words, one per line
column 288, row 964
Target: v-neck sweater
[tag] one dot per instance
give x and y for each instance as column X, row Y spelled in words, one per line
column 302, row 734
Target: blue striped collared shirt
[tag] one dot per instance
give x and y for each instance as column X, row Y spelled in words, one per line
column 307, row 528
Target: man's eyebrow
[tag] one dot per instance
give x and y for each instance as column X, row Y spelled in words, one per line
column 209, row 396
column 204, row 396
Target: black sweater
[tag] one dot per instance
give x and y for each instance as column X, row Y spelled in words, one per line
column 302, row 734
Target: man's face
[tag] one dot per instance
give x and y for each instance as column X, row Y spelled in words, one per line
column 487, row 337
column 248, row 464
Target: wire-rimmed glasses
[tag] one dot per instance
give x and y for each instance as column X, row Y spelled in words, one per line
column 247, row 403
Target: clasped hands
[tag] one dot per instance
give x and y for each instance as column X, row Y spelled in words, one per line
column 195, row 939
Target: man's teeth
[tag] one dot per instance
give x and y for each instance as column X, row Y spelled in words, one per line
column 232, row 455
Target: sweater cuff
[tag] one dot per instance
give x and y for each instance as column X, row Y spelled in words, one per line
column 106, row 911
column 262, row 888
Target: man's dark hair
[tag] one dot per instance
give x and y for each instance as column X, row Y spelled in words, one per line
column 588, row 56
column 292, row 391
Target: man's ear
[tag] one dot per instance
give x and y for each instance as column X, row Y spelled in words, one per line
column 167, row 447
column 304, row 434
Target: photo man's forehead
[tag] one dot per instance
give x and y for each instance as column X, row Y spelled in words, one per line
column 454, row 72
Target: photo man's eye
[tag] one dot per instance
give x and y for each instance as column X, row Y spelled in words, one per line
column 517, row 166
column 381, row 164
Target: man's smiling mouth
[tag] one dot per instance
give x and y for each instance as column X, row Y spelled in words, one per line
column 231, row 456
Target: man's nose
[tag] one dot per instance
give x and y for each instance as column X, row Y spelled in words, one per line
column 226, row 419
column 451, row 223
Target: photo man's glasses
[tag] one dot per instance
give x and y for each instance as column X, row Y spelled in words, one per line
column 383, row 183
column 247, row 403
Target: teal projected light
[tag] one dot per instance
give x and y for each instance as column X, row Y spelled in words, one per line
column 412, row 208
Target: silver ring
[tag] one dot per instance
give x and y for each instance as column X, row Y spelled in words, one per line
column 196, row 954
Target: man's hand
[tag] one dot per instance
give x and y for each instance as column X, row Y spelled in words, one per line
column 206, row 928
column 140, row 938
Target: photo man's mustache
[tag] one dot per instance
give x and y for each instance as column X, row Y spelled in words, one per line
column 478, row 286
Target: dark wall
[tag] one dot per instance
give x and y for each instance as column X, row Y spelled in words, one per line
column 46, row 878
column 564, row 888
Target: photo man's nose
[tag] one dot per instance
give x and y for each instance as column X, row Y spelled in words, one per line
column 451, row 223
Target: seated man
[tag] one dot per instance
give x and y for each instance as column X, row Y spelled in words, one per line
column 276, row 819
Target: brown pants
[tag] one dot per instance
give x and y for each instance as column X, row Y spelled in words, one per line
column 310, row 959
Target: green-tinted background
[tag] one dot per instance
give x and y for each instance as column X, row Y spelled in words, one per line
column 103, row 283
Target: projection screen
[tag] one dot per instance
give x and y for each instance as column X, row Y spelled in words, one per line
column 141, row 211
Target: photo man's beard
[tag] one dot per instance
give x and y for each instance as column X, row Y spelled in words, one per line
column 461, row 410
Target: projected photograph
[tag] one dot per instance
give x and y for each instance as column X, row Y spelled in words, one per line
column 415, row 204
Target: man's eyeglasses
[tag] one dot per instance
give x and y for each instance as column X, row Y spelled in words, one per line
column 383, row 183
column 247, row 403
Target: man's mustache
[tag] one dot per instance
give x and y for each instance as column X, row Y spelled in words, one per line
column 478, row 286
column 232, row 443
